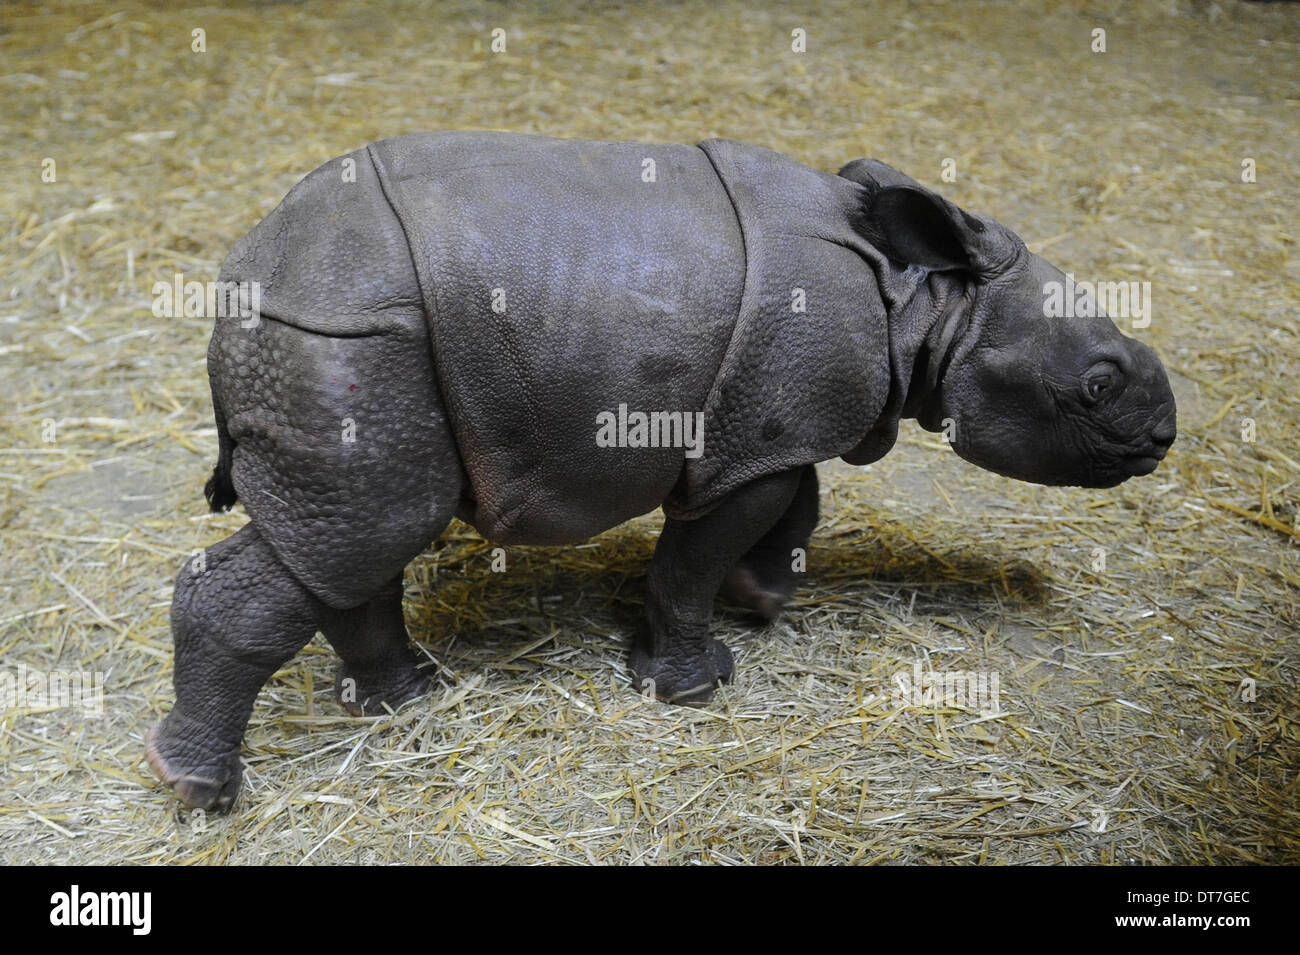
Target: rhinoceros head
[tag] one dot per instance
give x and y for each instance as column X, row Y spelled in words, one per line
column 1052, row 400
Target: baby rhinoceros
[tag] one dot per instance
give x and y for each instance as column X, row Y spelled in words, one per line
column 548, row 337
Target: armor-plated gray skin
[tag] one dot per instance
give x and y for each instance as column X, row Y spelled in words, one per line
column 444, row 317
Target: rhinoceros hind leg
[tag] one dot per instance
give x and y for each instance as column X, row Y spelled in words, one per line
column 379, row 669
column 237, row 616
column 763, row 580
column 677, row 661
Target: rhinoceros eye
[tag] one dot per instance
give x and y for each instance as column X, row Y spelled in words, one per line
column 1102, row 380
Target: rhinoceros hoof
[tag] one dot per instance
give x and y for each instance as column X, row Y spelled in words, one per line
column 743, row 588
column 200, row 780
column 375, row 692
column 684, row 681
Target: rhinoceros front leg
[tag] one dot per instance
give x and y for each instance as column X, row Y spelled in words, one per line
column 379, row 668
column 764, row 578
column 236, row 619
column 678, row 661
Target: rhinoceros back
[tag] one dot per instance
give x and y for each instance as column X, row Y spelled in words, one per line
column 562, row 279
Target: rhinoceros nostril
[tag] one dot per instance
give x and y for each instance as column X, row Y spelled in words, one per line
column 1164, row 433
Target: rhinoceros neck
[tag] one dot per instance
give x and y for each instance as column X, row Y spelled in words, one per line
column 925, row 319
column 924, row 331
column 949, row 314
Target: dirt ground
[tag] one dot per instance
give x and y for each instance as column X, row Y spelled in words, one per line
column 1144, row 638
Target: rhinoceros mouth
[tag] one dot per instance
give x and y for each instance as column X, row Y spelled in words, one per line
column 1146, row 458
column 1140, row 464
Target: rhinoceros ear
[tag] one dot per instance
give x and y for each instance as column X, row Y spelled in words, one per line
column 914, row 226
column 873, row 173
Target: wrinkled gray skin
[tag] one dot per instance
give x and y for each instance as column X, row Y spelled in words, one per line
column 670, row 292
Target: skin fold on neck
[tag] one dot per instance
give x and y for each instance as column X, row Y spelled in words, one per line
column 951, row 301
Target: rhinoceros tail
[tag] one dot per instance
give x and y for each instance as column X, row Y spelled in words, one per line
column 220, row 490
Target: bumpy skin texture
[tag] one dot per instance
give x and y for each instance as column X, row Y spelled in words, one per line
column 444, row 316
